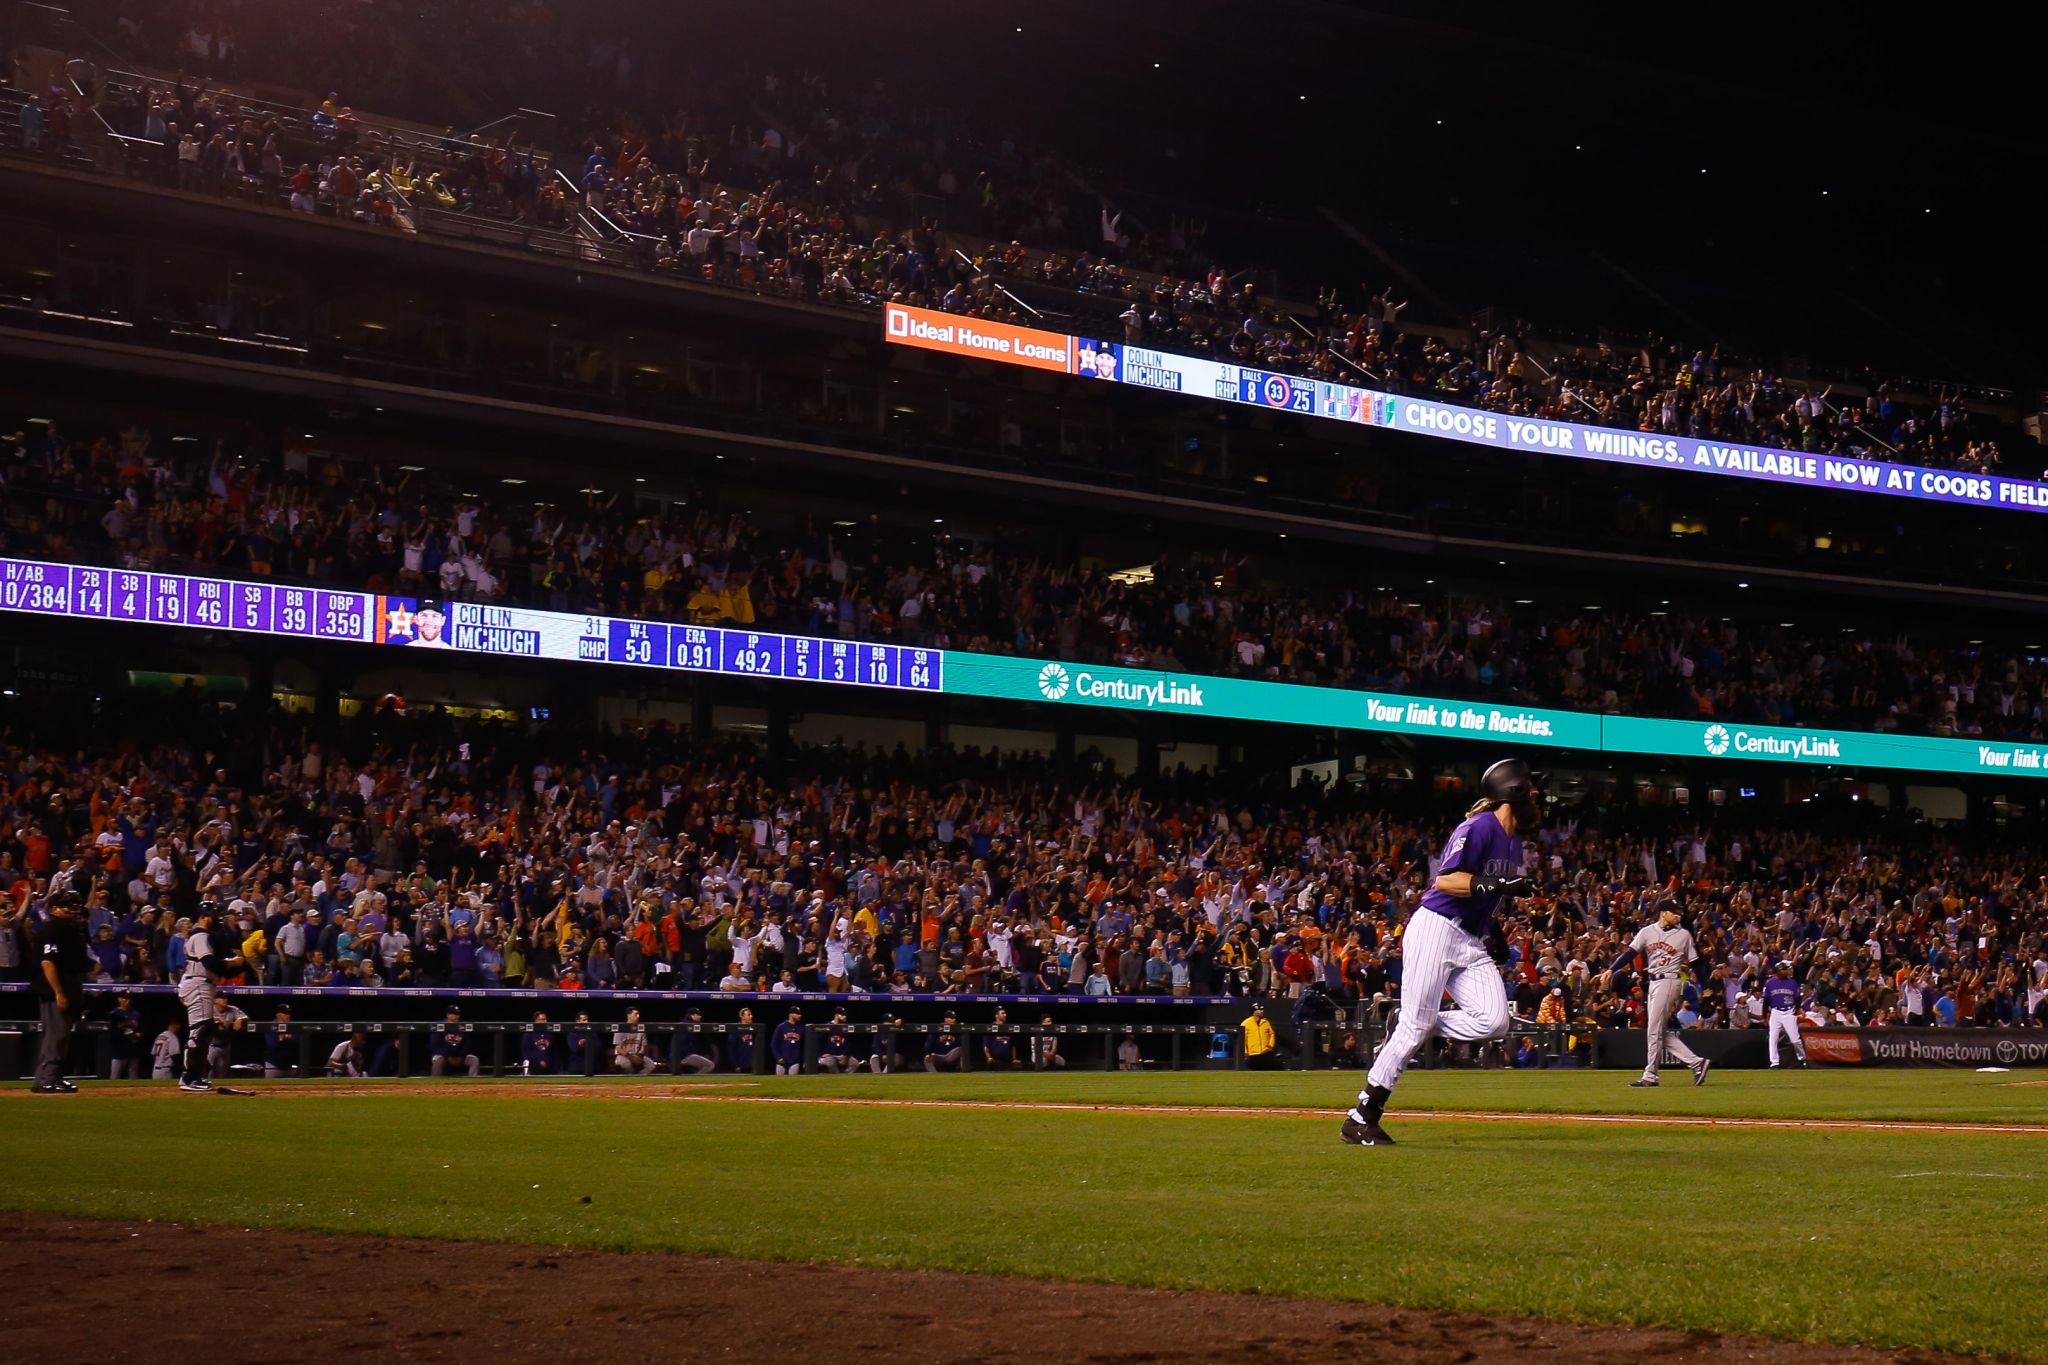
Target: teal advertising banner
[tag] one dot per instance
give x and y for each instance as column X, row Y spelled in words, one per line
column 1184, row 694
column 1849, row 748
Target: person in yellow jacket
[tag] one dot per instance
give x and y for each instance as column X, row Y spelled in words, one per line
column 255, row 952
column 1259, row 1042
column 864, row 922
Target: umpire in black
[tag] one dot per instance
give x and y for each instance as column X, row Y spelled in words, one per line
column 61, row 965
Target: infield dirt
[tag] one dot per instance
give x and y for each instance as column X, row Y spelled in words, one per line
column 116, row 1290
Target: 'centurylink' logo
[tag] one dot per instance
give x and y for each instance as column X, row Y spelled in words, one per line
column 1719, row 741
column 1055, row 682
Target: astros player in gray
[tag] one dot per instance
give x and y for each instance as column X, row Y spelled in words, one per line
column 1666, row 946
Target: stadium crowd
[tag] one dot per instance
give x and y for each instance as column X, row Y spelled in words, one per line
column 788, row 186
column 132, row 499
column 415, row 851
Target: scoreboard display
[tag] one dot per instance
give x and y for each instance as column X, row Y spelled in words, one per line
column 168, row 599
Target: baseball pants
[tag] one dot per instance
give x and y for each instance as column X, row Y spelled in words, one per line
column 1437, row 955
column 54, row 1052
column 1786, row 1022
column 197, row 995
column 1665, row 994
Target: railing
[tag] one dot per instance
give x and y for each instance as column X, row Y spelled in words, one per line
column 995, row 284
column 538, row 125
column 1836, row 413
column 410, row 1048
column 472, row 227
column 386, row 137
column 1322, row 1044
column 1346, row 361
column 640, row 249
column 1566, row 388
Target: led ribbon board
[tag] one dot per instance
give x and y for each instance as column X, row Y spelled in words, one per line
column 139, row 597
column 1115, row 362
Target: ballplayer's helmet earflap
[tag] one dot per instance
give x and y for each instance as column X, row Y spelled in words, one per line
column 1513, row 784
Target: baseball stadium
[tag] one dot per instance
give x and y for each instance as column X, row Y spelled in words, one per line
column 1055, row 683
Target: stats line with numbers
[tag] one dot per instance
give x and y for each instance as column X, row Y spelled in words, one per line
column 168, row 599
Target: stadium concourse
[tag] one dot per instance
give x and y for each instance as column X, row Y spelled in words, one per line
column 776, row 212
column 252, row 503
column 415, row 851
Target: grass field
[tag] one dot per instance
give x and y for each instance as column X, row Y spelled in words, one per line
column 1889, row 1096
column 1887, row 1238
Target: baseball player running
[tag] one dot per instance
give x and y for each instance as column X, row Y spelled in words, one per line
column 1666, row 946
column 1451, row 940
column 1781, row 998
column 205, row 960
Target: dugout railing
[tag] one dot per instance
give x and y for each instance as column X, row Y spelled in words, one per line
column 1341, row 1044
column 586, row 1048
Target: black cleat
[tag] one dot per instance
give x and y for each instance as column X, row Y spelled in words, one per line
column 1641, row 1084
column 1699, row 1071
column 41, row 1089
column 1364, row 1132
